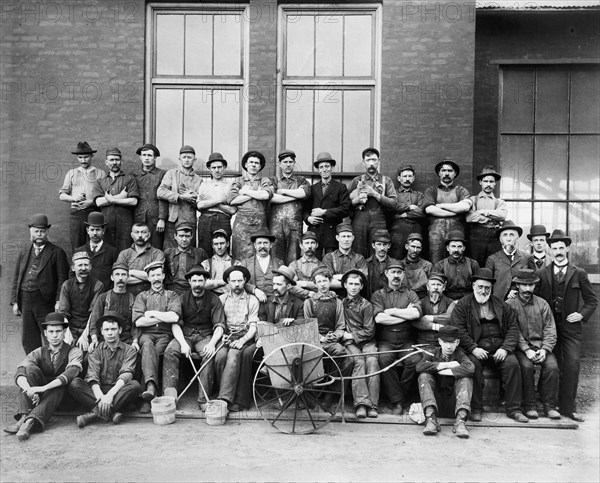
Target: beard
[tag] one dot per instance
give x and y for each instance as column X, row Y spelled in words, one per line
column 482, row 299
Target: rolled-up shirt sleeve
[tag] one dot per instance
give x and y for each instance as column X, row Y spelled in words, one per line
column 74, row 366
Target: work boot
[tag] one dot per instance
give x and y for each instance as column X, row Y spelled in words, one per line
column 372, row 413
column 476, row 415
column 14, row 428
column 361, row 412
column 86, row 418
column 117, row 418
column 25, row 429
column 397, row 409
column 145, row 407
column 460, row 428
column 150, row 393
column 552, row 413
column 532, row 414
column 431, row 425
column 519, row 417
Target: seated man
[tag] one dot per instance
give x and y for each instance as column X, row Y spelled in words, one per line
column 359, row 338
column 446, row 383
column 378, row 262
column 344, row 258
column 109, row 386
column 203, row 326
column 537, row 339
column 181, row 258
column 457, row 268
column 304, row 266
column 218, row 263
column 282, row 307
column 416, row 268
column 43, row 377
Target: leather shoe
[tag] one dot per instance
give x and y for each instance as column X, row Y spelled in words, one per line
column 460, row 429
column 431, row 426
column 476, row 415
column 361, row 412
column 397, row 409
column 552, row 414
column 150, row 393
column 519, row 417
column 575, row 417
column 372, row 413
column 117, row 418
column 532, row 414
column 25, row 429
column 145, row 407
column 14, row 428
column 202, row 406
column 86, row 418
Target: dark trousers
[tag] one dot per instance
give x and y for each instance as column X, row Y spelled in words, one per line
column 234, row 372
column 288, row 231
column 483, row 242
column 49, row 400
column 399, row 233
column 510, row 372
column 398, row 381
column 118, row 231
column 548, row 383
column 364, row 224
column 152, row 346
column 568, row 354
column 208, row 223
column 82, row 392
column 156, row 239
column 445, row 393
column 77, row 231
column 33, row 311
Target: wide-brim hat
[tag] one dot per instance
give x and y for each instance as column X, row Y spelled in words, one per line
column 196, row 270
column 355, row 271
column 449, row 161
column 216, row 157
column 526, row 275
column 95, row 218
column 537, row 230
column 254, row 154
column 262, row 233
column 83, row 148
column 455, row 235
column 324, row 157
column 509, row 225
column 39, row 221
column 55, row 318
column 237, row 268
column 489, row 171
column 146, row 147
column 483, row 274
column 286, row 272
column 112, row 316
column 559, row 235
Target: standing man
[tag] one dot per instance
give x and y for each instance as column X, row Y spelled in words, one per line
column 378, row 262
column 373, row 196
column 250, row 194
column 327, row 206
column 506, row 263
column 457, row 268
column 78, row 189
column 214, row 212
column 563, row 285
column 150, row 209
column 395, row 307
column 489, row 334
column 179, row 188
column 102, row 255
column 538, row 236
column 180, row 259
column 409, row 214
column 285, row 221
column 344, row 258
column 40, row 271
column 218, row 263
column 117, row 196
column 485, row 216
column 416, row 269
column 305, row 265
column 536, row 341
column 445, row 204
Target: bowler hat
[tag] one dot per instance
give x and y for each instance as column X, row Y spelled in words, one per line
column 184, row 226
column 95, row 218
column 120, row 266
column 483, row 274
column 448, row 333
column 369, row 151
column 344, row 227
column 111, row 316
column 450, row 161
column 55, row 318
column 254, row 154
column 153, row 265
column 114, row 151
column 197, row 270
column 489, row 171
column 437, row 276
column 455, row 235
column 382, row 236
column 286, row 153
column 355, row 271
column 526, row 275
column 216, row 157
column 509, row 225
column 146, row 147
column 80, row 256
column 187, row 149
column 286, row 272
column 39, row 221
column 83, row 148
column 236, row 268
column 559, row 236
column 262, row 233
column 406, row 167
column 324, row 157
column 537, row 230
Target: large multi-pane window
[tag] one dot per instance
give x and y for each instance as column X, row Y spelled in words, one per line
column 197, row 71
column 329, row 89
column 550, row 151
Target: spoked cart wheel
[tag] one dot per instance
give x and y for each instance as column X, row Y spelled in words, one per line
column 298, row 388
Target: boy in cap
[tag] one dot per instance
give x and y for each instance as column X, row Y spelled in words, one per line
column 344, row 258
column 43, row 378
column 446, row 383
column 180, row 259
column 416, row 269
column 304, row 266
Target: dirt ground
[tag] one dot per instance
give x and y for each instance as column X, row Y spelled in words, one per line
column 247, row 450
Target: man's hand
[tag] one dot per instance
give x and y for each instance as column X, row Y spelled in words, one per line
column 259, row 343
column 85, row 204
column 260, row 295
column 56, row 306
column 208, row 350
column 500, row 355
column 33, row 394
column 186, row 350
column 16, row 310
column 314, row 220
column 347, row 336
column 83, row 343
column 540, row 356
column 135, row 345
column 287, row 321
column 574, row 317
column 160, row 226
column 237, row 344
column 330, row 337
column 319, row 212
column 512, row 294
column 369, row 191
column 105, row 404
column 322, row 339
column 93, row 345
column 480, row 353
column 531, row 354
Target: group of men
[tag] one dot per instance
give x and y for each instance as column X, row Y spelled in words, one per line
column 193, row 285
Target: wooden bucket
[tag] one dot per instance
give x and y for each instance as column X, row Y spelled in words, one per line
column 163, row 410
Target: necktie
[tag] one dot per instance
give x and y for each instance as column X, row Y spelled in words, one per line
column 561, row 274
column 54, row 358
column 94, row 248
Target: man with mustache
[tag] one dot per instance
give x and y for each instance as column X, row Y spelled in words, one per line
column 569, row 292
column 180, row 259
column 305, row 265
column 416, row 269
column 378, row 262
column 282, row 307
column 489, row 334
column 117, row 196
column 506, row 263
column 102, row 255
column 138, row 256
column 540, row 251
column 40, row 272
column 446, row 205
column 373, row 196
column 78, row 190
column 457, row 268
column 344, row 258
column 203, row 326
column 536, row 342
column 218, row 263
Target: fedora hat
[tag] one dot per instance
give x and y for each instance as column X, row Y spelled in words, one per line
column 83, row 148
column 39, row 221
column 254, row 154
column 286, row 153
column 286, row 272
column 146, row 147
column 509, row 225
column 450, row 161
column 355, row 271
column 95, row 218
column 456, row 235
column 526, row 275
column 489, row 171
column 196, row 270
column 483, row 274
column 216, row 157
column 559, row 236
column 537, row 230
column 324, row 157
column 262, row 233
column 55, row 318
column 111, row 316
column 236, row 268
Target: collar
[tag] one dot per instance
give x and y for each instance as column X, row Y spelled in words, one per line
column 462, row 259
column 281, row 300
column 353, row 301
column 97, row 245
column 225, row 258
column 402, row 288
column 539, row 255
column 89, row 170
column 523, row 301
column 151, row 171
column 367, row 177
column 283, row 177
column 146, row 248
column 160, row 292
column 407, row 262
column 120, row 173
column 188, row 250
column 558, row 267
column 201, row 296
column 120, row 345
column 247, row 177
column 326, row 183
column 324, row 296
column 405, row 190
column 342, row 254
column 186, row 173
column 446, row 188
column 510, row 254
column 305, row 259
column 40, row 248
column 52, row 351
column 483, row 194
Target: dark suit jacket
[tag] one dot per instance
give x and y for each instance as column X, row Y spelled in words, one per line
column 504, row 270
column 579, row 295
column 336, row 202
column 102, row 262
column 294, row 309
column 54, row 270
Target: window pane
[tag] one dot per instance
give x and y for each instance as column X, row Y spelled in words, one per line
column 298, row 126
column 228, row 45
column 358, row 39
column 169, row 120
column 357, row 128
column 551, row 215
column 329, row 45
column 585, row 92
column 584, row 226
column 584, row 182
column 520, row 213
column 552, row 103
column 517, row 101
column 328, row 124
column 169, row 44
column 226, row 125
column 198, row 44
column 516, row 165
column 300, row 45
column 197, row 125
column 550, row 167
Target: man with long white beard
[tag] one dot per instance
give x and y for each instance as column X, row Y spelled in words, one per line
column 489, row 334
